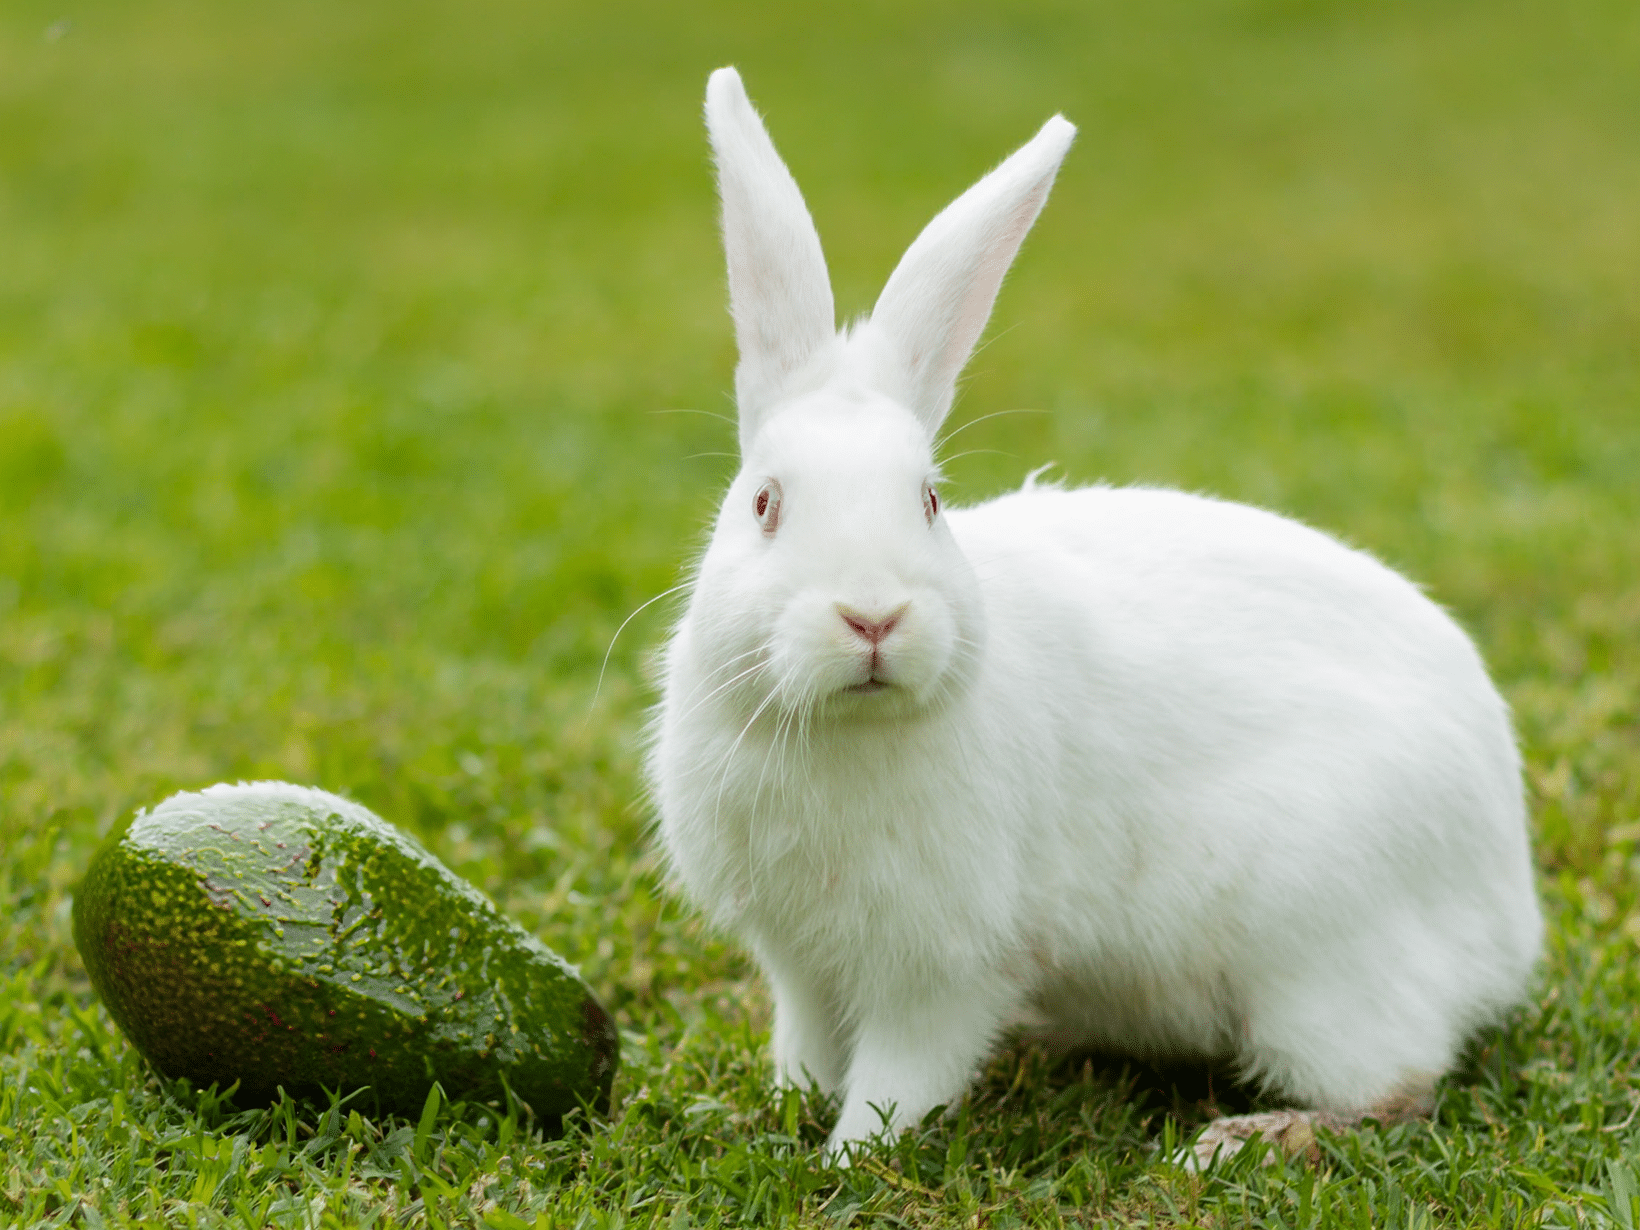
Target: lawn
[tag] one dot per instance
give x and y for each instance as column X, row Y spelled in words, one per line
column 359, row 367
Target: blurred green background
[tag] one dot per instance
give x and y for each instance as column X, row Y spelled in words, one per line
column 341, row 350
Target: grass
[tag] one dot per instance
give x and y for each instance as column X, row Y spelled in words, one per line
column 335, row 349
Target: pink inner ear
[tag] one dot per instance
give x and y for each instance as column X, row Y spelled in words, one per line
column 939, row 297
column 962, row 331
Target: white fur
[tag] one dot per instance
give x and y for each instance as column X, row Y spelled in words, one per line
column 1156, row 772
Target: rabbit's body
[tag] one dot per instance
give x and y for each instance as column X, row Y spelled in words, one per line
column 1145, row 770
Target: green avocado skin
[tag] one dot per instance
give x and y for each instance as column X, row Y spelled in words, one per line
column 277, row 935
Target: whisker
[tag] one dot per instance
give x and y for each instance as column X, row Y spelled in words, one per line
column 727, row 663
column 711, row 414
column 993, row 339
column 599, row 689
column 972, row 565
column 729, row 756
column 974, row 452
column 791, row 734
column 779, row 735
column 995, row 414
column 722, row 687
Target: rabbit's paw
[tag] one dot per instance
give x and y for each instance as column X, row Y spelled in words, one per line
column 806, row 1043
column 1292, row 1132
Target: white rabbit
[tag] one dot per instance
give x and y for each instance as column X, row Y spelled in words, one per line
column 1157, row 773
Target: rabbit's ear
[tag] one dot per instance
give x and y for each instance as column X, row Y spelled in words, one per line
column 779, row 291
column 931, row 312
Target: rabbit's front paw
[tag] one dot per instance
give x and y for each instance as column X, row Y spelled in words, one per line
column 806, row 1044
column 908, row 1062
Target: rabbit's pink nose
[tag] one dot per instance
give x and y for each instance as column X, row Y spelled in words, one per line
column 872, row 631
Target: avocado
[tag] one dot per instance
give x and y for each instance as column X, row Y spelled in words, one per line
column 280, row 936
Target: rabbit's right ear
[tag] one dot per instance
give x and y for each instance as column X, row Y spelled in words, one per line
column 779, row 291
column 939, row 297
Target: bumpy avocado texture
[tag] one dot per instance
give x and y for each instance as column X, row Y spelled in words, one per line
column 276, row 935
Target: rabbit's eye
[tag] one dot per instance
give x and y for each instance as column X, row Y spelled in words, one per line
column 931, row 502
column 766, row 506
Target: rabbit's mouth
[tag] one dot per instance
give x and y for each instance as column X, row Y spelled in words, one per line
column 870, row 685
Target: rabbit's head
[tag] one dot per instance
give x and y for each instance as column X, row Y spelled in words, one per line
column 832, row 581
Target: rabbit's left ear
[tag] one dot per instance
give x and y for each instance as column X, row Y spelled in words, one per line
column 779, row 291
column 931, row 312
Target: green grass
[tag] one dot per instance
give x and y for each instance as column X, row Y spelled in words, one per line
column 334, row 341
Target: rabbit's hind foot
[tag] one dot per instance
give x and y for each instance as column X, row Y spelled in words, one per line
column 1292, row 1133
